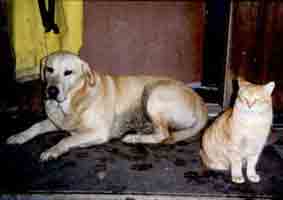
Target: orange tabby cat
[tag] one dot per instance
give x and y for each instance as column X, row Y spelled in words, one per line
column 238, row 136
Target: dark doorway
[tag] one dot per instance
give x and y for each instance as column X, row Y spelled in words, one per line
column 215, row 48
column 7, row 69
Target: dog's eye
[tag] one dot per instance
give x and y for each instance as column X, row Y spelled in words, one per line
column 68, row 72
column 49, row 69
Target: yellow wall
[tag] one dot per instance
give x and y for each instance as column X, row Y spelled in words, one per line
column 29, row 40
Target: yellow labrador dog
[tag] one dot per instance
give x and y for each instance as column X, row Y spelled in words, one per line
column 95, row 108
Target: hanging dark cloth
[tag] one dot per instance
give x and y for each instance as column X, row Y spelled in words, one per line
column 48, row 16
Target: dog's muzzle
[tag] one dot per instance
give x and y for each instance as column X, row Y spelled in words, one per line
column 52, row 92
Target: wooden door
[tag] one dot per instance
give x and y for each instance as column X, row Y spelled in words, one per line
column 257, row 44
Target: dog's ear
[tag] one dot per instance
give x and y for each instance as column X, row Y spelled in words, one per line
column 42, row 68
column 88, row 73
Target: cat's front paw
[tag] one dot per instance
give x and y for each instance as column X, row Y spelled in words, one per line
column 238, row 179
column 255, row 178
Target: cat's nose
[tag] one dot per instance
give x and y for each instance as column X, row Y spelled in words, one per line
column 250, row 104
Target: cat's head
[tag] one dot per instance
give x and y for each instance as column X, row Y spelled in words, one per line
column 254, row 97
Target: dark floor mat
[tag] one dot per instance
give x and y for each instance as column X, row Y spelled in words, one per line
column 120, row 168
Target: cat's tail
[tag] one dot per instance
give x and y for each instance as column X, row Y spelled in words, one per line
column 204, row 159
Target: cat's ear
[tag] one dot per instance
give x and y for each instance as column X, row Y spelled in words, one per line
column 269, row 87
column 242, row 82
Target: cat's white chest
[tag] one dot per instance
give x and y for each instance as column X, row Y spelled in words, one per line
column 252, row 121
column 250, row 131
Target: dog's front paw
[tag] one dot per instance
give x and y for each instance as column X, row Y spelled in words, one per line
column 132, row 139
column 17, row 139
column 51, row 154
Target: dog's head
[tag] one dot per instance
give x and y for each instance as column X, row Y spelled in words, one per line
column 63, row 71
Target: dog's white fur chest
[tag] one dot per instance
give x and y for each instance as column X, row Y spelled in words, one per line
column 59, row 113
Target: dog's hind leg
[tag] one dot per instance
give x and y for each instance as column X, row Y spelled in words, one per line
column 160, row 134
column 181, row 135
column 35, row 130
column 154, row 138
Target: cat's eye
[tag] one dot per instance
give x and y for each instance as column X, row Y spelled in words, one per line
column 68, row 72
column 261, row 100
column 49, row 69
column 241, row 98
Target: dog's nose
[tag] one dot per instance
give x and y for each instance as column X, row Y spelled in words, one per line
column 52, row 92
